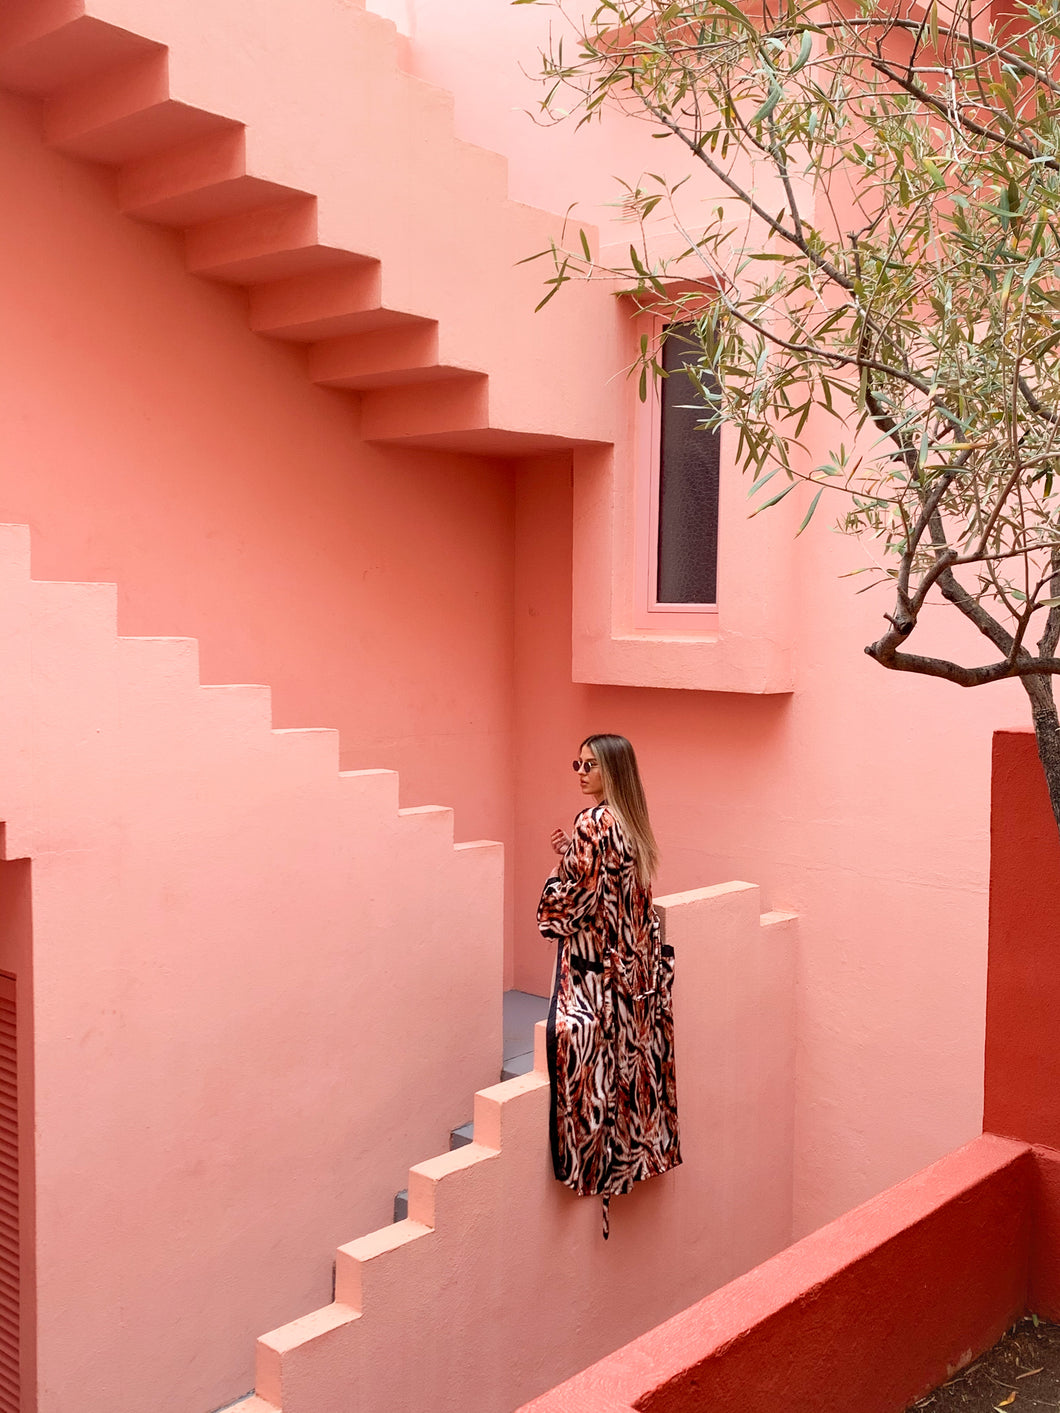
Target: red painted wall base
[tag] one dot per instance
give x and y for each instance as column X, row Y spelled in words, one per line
column 1022, row 1092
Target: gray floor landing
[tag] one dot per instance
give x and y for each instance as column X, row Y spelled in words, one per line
column 521, row 1013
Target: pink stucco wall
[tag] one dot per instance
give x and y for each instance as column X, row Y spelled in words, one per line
column 800, row 793
column 351, row 552
column 882, row 1304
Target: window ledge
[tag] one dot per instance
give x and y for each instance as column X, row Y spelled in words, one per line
column 714, row 662
column 746, row 649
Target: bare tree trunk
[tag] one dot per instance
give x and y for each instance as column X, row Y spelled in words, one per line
column 1047, row 734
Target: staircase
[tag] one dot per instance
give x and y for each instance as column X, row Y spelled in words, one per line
column 522, row 1012
column 359, row 225
column 325, row 1352
column 497, row 1283
column 233, row 943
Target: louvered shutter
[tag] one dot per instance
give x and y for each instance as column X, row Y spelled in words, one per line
column 9, row 1233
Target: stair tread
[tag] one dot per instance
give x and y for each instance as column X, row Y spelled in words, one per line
column 517, row 1065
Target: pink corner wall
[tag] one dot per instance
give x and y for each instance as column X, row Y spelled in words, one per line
column 241, row 958
column 499, row 1282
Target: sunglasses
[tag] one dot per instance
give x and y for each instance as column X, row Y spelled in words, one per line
column 583, row 766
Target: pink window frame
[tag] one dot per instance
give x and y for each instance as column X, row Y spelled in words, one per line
column 648, row 613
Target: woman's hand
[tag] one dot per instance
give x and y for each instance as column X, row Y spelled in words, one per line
column 560, row 841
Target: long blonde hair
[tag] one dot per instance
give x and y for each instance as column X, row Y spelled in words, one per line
column 624, row 795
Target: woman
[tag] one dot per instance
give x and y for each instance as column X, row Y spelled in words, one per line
column 610, row 1026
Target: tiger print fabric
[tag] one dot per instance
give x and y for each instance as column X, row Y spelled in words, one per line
column 610, row 1025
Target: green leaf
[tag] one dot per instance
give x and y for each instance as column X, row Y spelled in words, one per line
column 809, row 514
column 1046, row 346
column 774, row 500
column 552, row 292
column 761, row 480
column 585, row 246
column 776, row 94
column 734, row 13
column 805, row 50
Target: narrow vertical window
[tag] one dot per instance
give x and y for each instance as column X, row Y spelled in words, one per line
column 689, row 464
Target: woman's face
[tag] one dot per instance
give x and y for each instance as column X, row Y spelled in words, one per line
column 589, row 778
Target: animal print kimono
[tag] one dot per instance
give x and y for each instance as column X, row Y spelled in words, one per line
column 610, row 1025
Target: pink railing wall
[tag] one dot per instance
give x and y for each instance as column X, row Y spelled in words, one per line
column 499, row 1282
column 870, row 1312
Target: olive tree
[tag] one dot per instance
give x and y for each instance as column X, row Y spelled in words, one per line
column 881, row 182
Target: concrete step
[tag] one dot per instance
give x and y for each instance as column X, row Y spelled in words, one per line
column 522, row 1011
column 326, row 304
column 382, row 358
column 195, row 182
column 269, row 243
column 458, row 1138
column 517, row 1065
column 121, row 116
column 47, row 46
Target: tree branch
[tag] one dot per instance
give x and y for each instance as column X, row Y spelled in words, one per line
column 922, row 95
column 886, row 654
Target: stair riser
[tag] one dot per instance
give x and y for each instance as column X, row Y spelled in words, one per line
column 387, row 358
column 273, row 243
column 196, row 183
column 329, row 304
column 48, row 46
column 110, row 100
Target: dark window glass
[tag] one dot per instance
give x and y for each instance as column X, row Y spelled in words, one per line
column 689, row 462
